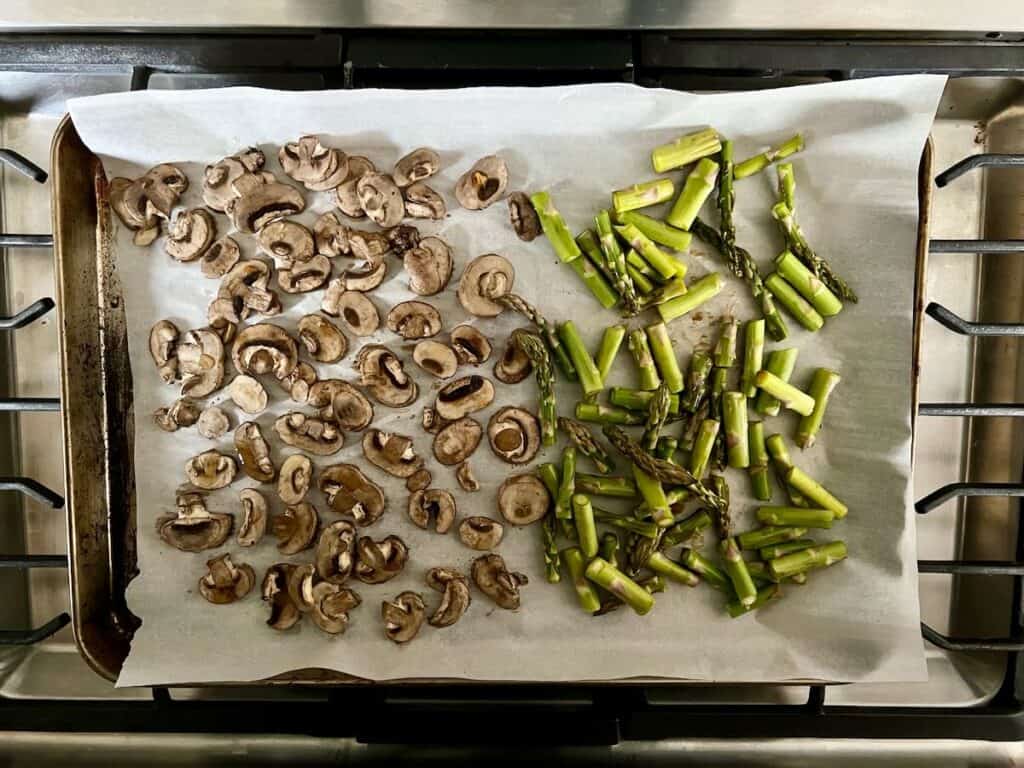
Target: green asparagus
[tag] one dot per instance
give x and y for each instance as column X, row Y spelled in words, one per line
column 822, row 384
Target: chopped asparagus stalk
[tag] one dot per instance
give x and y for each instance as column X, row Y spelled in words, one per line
column 696, row 381
column 587, row 444
column 702, row 447
column 607, row 414
column 606, row 296
column 552, row 560
column 675, row 496
column 778, row 550
column 609, row 548
column 723, row 522
column 576, row 563
column 551, row 477
column 658, row 231
column 685, row 150
column 586, row 368
column 813, row 557
column 807, row 284
column 653, row 494
column 765, row 537
column 781, row 362
column 758, row 163
column 601, row 485
column 780, row 458
column 798, row 578
column 787, row 185
column 660, row 564
column 753, row 356
column 654, row 584
column 794, row 303
column 719, row 384
column 789, row 396
column 758, row 462
column 822, row 384
column 666, row 448
column 645, row 528
column 803, row 517
column 697, row 189
column 726, row 206
column 611, row 340
column 534, row 349
column 635, row 260
column 661, row 262
column 797, row 243
column 642, row 195
column 591, row 248
column 687, row 530
column 643, row 283
column 725, row 349
column 639, row 399
column 615, row 260
column 608, row 577
column 736, row 569
column 765, row 595
column 517, row 303
column 664, row 356
column 553, row 224
column 710, row 572
column 586, row 528
column 657, row 412
column 665, row 292
column 699, row 292
column 644, row 359
column 815, row 492
column 566, row 485
column 734, row 417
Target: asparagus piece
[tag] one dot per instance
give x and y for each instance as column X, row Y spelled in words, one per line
column 576, row 563
column 807, row 284
column 644, row 528
column 753, row 357
column 789, row 396
column 588, row 243
column 553, row 224
column 719, row 384
column 726, row 205
column 672, row 289
column 685, row 150
column 658, row 231
column 591, row 276
column 598, row 485
column 653, row 494
column 642, row 282
column 657, row 412
column 797, row 243
column 696, row 381
column 725, row 349
column 794, row 303
column 798, row 578
column 736, row 608
column 607, row 414
column 633, row 259
column 587, row 444
column 734, row 417
column 611, row 340
column 552, row 560
column 642, row 195
column 566, row 485
column 780, row 458
column 822, row 384
column 736, row 569
column 787, row 185
column 802, row 517
column 758, row 462
column 758, row 163
column 697, row 189
column 616, row 262
column 724, row 520
column 813, row 557
column 664, row 356
column 785, row 548
column 639, row 399
column 586, row 528
column 660, row 564
column 702, row 447
column 610, row 548
column 687, row 530
column 765, row 537
column 517, row 303
column 666, row 448
column 662, row 263
column 699, row 292
column 549, row 475
column 607, row 576
column 654, row 584
column 586, row 368
column 815, row 492
column 762, row 576
column 781, row 362
column 675, row 496
column 710, row 572
column 534, row 349
column 641, row 351
column 692, row 425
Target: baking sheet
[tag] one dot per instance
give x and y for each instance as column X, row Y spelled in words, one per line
column 857, row 201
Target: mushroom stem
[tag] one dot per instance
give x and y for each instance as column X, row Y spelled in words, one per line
column 607, row 576
column 575, row 562
column 586, row 368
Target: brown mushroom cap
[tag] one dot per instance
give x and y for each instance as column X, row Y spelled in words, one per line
column 322, row 339
column 212, row 423
column 219, row 178
column 391, row 452
column 248, row 394
column 210, row 470
column 190, row 234
column 295, row 528
column 514, row 365
column 194, row 528
column 384, row 376
column 293, row 482
column 470, row 345
column 414, row 320
column 365, row 279
column 163, row 344
column 243, row 292
column 481, row 533
column 402, row 238
column 287, row 241
column 160, row 186
column 284, row 614
column 403, row 616
column 253, row 452
column 309, row 433
column 523, row 499
column 455, row 597
column 346, row 195
column 331, row 606
column 129, row 202
column 226, row 582
column 342, row 403
column 265, row 348
column 467, row 480
column 220, row 257
column 304, row 276
column 350, row 492
column 254, row 518
column 181, row 413
column 419, row 480
column 429, row 266
column 435, row 358
column 432, row 505
column 483, row 278
column 335, row 552
column 524, row 218
column 422, row 202
column 381, row 198
column 482, row 184
column 355, row 310
column 200, row 356
column 514, row 435
column 463, row 396
column 494, row 579
column 419, row 164
column 330, row 235
column 262, row 202
column 457, row 441
column 309, row 162
column 380, row 561
column 299, row 382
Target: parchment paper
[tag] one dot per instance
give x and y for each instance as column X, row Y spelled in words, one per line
column 857, row 200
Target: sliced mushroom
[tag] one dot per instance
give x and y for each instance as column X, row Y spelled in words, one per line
column 181, row 413
column 484, row 278
column 350, row 492
column 309, row 433
column 299, row 382
column 456, row 442
column 254, row 518
column 419, row 164
column 190, row 234
column 284, row 614
column 365, row 279
column 293, row 482
column 467, row 480
column 521, row 213
column 287, row 241
column 402, row 238
column 200, row 362
column 265, row 348
column 163, row 343
column 346, row 195
column 422, row 202
column 355, row 310
column 331, row 607
column 243, row 292
column 254, row 453
column 435, row 358
column 212, row 423
column 248, row 394
column 226, row 582
column 514, row 435
column 470, row 345
column 432, row 423
column 261, row 202
column 370, row 247
column 220, row 257
column 312, row 164
column 342, row 403
column 330, row 236
column 514, row 365
column 380, row 561
column 414, row 320
column 429, row 266
column 419, row 480
column 482, row 184
column 194, row 528
column 494, row 579
column 335, row 555
column 300, row 586
column 463, row 396
column 210, row 470
column 129, row 202
column 383, row 374
column 295, row 528
column 481, row 533
column 304, row 276
column 219, row 178
column 224, row 328
column 403, row 617
column 381, row 198
column 455, row 597
column 322, row 339
column 391, row 452
column 433, row 506
column 523, row 499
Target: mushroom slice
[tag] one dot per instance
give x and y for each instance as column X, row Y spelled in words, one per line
column 309, row 433
column 194, row 528
column 365, row 279
column 370, row 247
column 284, row 614
column 402, row 238
column 261, row 203
column 346, row 195
column 162, row 185
column 210, row 470
column 494, row 579
column 391, row 452
column 432, row 506
column 484, row 278
column 521, row 213
column 380, row 561
column 220, row 257
column 335, row 555
column 287, row 241
column 200, row 362
column 190, row 234
column 514, row 365
column 226, row 582
column 432, row 423
column 295, row 528
column 381, row 198
column 383, row 374
column 414, row 320
column 330, row 236
column 243, row 292
column 293, row 482
column 248, row 394
column 322, row 339
column 456, row 442
column 419, row 480
column 463, row 396
column 181, row 413
column 481, row 533
column 514, row 435
column 224, row 328
column 350, row 492
column 422, row 202
column 403, row 616
column 163, row 342
column 128, row 199
column 343, row 403
column 312, row 164
column 254, row 518
column 355, row 310
column 299, row 382
column 470, row 345
column 435, row 358
column 455, row 597
column 213, row 423
column 331, row 606
column 265, row 348
column 253, row 452
column 523, row 499
column 219, row 178
column 419, row 164
column 482, row 184
column 304, row 276
column 467, row 480
column 429, row 266
column 300, row 586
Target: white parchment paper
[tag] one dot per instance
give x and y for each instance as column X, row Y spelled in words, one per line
column 857, row 201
